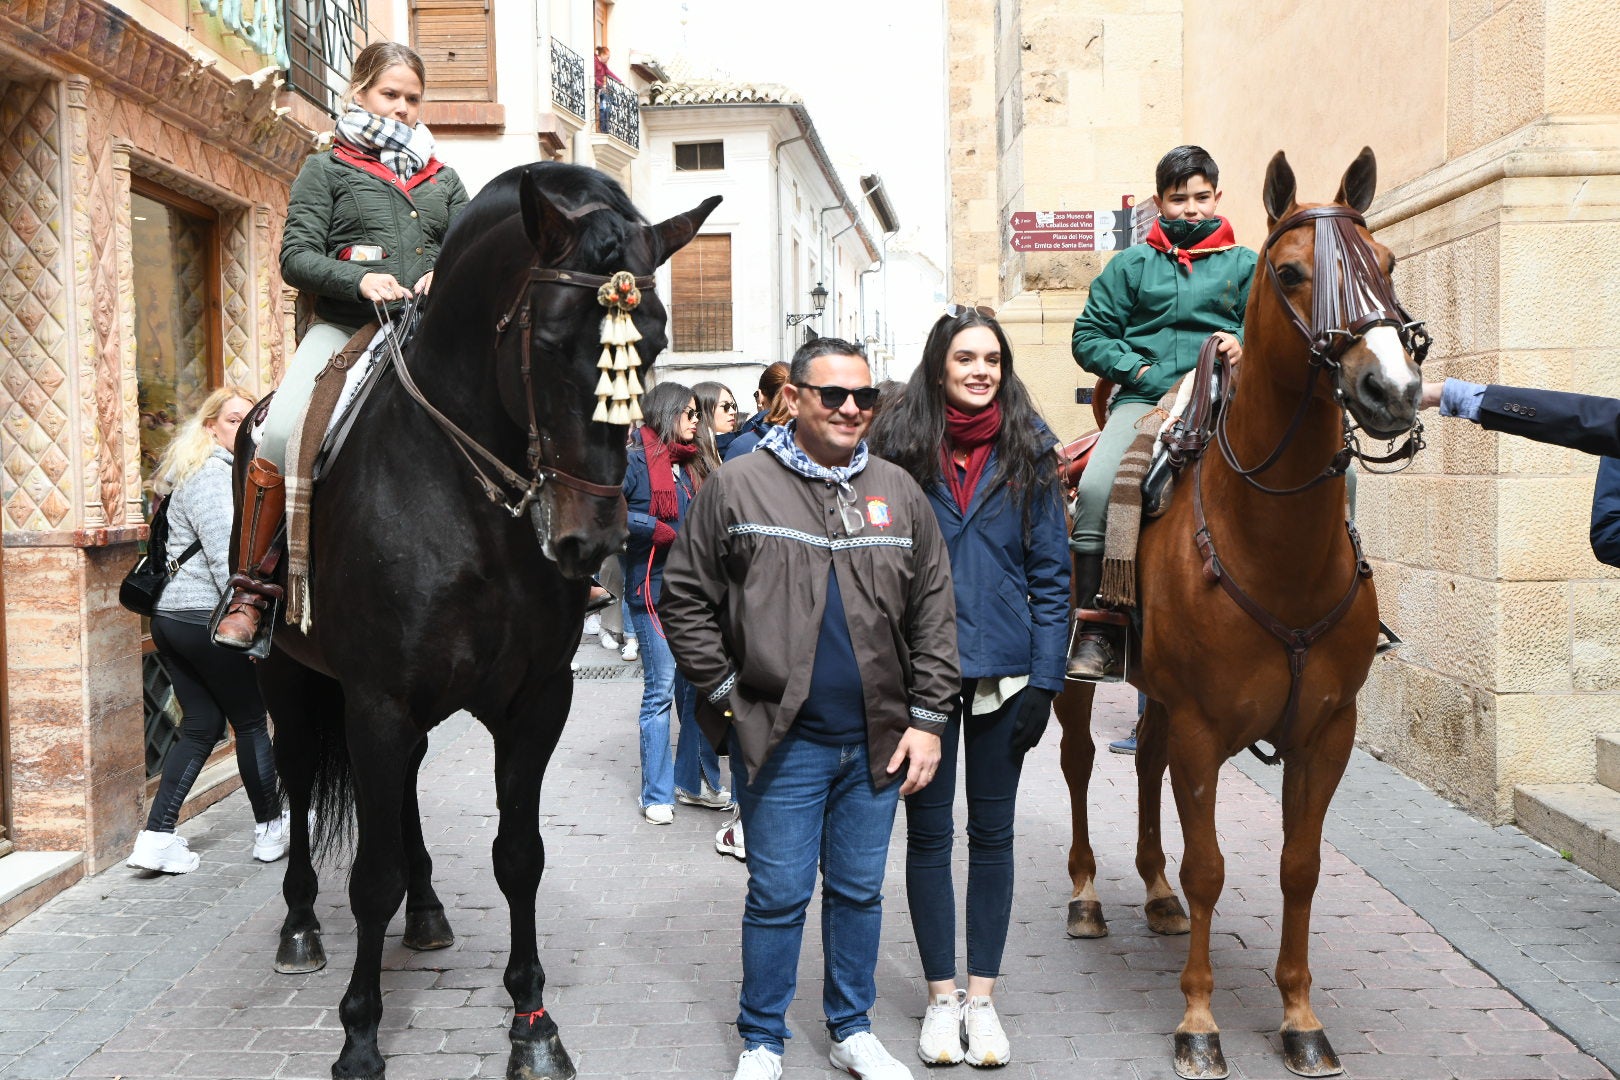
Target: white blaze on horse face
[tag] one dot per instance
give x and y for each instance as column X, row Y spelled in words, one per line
column 1384, row 343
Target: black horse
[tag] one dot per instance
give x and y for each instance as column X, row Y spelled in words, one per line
column 428, row 595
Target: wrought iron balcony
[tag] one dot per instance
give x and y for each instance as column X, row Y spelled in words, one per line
column 700, row 326
column 568, row 80
column 321, row 47
column 618, row 113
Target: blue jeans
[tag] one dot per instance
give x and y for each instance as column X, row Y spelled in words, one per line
column 992, row 797
column 662, row 686
column 811, row 803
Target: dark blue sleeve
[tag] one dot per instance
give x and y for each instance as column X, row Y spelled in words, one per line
column 1606, row 512
column 1046, row 567
column 637, row 497
column 1586, row 422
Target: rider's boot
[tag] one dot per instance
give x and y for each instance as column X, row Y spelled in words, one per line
column 263, row 503
column 1091, row 655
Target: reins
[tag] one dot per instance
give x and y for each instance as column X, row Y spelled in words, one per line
column 520, row 312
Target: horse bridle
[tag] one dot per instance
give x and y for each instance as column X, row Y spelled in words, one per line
column 1359, row 299
column 521, row 313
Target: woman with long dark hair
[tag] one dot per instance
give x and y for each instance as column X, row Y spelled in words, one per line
column 717, row 420
column 967, row 429
column 659, row 482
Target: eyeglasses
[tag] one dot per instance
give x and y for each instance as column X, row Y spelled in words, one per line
column 728, row 406
column 848, row 512
column 690, row 413
column 833, row 397
column 956, row 311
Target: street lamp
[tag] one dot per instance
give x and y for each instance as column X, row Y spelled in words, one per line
column 818, row 298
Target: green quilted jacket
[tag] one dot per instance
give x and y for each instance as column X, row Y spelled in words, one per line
column 342, row 198
column 1145, row 309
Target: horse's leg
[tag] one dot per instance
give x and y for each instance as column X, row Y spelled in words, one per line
column 1162, row 908
column 425, row 925
column 382, row 744
column 289, row 691
column 524, row 741
column 1311, row 774
column 1078, row 754
column 1194, row 772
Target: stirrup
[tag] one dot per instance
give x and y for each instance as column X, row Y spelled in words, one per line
column 1391, row 640
column 1114, row 623
column 262, row 595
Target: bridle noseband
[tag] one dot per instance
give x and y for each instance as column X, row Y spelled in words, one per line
column 1351, row 297
column 520, row 312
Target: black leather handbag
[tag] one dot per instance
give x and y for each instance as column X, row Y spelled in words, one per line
column 146, row 579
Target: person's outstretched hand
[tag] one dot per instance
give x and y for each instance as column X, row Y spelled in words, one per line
column 1029, row 724
column 1431, row 394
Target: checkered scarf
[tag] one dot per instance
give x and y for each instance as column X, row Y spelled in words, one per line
column 405, row 150
column 781, row 442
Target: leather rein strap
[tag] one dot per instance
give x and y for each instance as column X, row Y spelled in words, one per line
column 520, row 311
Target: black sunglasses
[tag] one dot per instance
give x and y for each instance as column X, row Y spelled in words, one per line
column 833, row 397
column 691, row 414
column 956, row 311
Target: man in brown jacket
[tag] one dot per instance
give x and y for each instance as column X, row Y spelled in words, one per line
column 809, row 599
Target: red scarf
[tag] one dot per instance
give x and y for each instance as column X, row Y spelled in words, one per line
column 663, row 504
column 975, row 434
column 1222, row 239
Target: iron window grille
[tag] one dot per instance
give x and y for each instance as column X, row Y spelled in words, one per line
column 321, row 46
column 618, row 113
column 568, row 79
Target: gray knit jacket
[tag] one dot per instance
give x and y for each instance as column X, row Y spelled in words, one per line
column 201, row 508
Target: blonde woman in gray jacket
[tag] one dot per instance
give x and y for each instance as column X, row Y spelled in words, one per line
column 213, row 684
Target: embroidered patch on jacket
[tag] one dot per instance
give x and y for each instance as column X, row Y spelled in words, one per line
column 877, row 512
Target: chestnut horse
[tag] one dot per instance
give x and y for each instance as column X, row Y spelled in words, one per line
column 1259, row 619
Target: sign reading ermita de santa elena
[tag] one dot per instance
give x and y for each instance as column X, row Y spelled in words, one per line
column 1082, row 230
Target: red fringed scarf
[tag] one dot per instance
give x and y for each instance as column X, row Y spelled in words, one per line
column 973, row 434
column 663, row 504
column 1222, row 239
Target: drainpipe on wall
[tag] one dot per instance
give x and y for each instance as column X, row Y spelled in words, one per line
column 776, row 272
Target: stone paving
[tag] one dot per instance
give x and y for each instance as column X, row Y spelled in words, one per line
column 1423, row 917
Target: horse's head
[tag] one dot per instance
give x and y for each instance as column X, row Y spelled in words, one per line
column 574, row 345
column 1331, row 284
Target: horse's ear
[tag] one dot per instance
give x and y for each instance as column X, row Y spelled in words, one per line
column 548, row 227
column 676, row 232
column 1279, row 190
column 1360, row 181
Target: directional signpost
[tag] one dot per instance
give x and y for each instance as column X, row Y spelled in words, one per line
column 1075, row 230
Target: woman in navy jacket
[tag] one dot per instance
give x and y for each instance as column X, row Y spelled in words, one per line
column 968, row 431
column 662, row 472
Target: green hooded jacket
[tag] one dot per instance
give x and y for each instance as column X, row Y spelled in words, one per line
column 1144, row 308
column 342, row 198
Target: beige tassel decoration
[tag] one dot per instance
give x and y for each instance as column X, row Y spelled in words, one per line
column 621, row 389
column 635, row 409
column 600, row 416
column 635, row 357
column 605, row 361
column 635, row 384
column 604, row 385
column 619, row 414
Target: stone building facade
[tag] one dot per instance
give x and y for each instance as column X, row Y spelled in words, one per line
column 103, row 115
column 1497, row 129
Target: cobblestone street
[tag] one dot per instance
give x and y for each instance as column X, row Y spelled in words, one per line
column 1442, row 947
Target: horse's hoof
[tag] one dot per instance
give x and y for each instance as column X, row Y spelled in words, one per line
column 1199, row 1057
column 1307, row 1053
column 428, row 929
column 1165, row 915
column 340, row 1073
column 1086, row 919
column 300, row 953
column 539, row 1059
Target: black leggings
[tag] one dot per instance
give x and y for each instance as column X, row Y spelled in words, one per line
column 213, row 684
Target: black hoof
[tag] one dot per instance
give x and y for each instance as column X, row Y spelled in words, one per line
column 428, row 929
column 1199, row 1057
column 1307, row 1053
column 341, row 1073
column 539, row 1059
column 300, row 952
column 1166, row 916
column 1086, row 919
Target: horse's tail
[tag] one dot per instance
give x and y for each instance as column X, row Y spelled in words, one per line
column 331, row 800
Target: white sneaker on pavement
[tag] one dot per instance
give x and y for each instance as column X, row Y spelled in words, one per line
column 659, row 813
column 631, row 650
column 609, row 641
column 987, row 1045
column 863, row 1057
column 941, row 1039
column 759, row 1064
column 729, row 840
column 270, row 838
column 707, row 796
column 165, row 852
column 593, row 624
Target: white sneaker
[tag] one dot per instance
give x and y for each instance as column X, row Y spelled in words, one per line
column 941, row 1039
column 270, row 838
column 707, row 796
column 729, row 840
column 758, row 1064
column 987, row 1045
column 608, row 641
column 631, row 650
column 165, row 852
column 659, row 813
column 863, row 1057
column 593, row 624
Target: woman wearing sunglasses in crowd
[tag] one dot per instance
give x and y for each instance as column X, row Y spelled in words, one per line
column 717, row 420
column 662, row 472
column 967, row 429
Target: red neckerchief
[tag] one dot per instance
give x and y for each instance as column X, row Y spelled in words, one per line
column 975, row 434
column 1222, row 239
column 663, row 504
column 351, row 155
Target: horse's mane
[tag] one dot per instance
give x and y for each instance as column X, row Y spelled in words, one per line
column 570, row 187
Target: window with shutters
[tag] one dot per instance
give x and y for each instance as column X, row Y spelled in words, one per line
column 700, row 302
column 456, row 39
